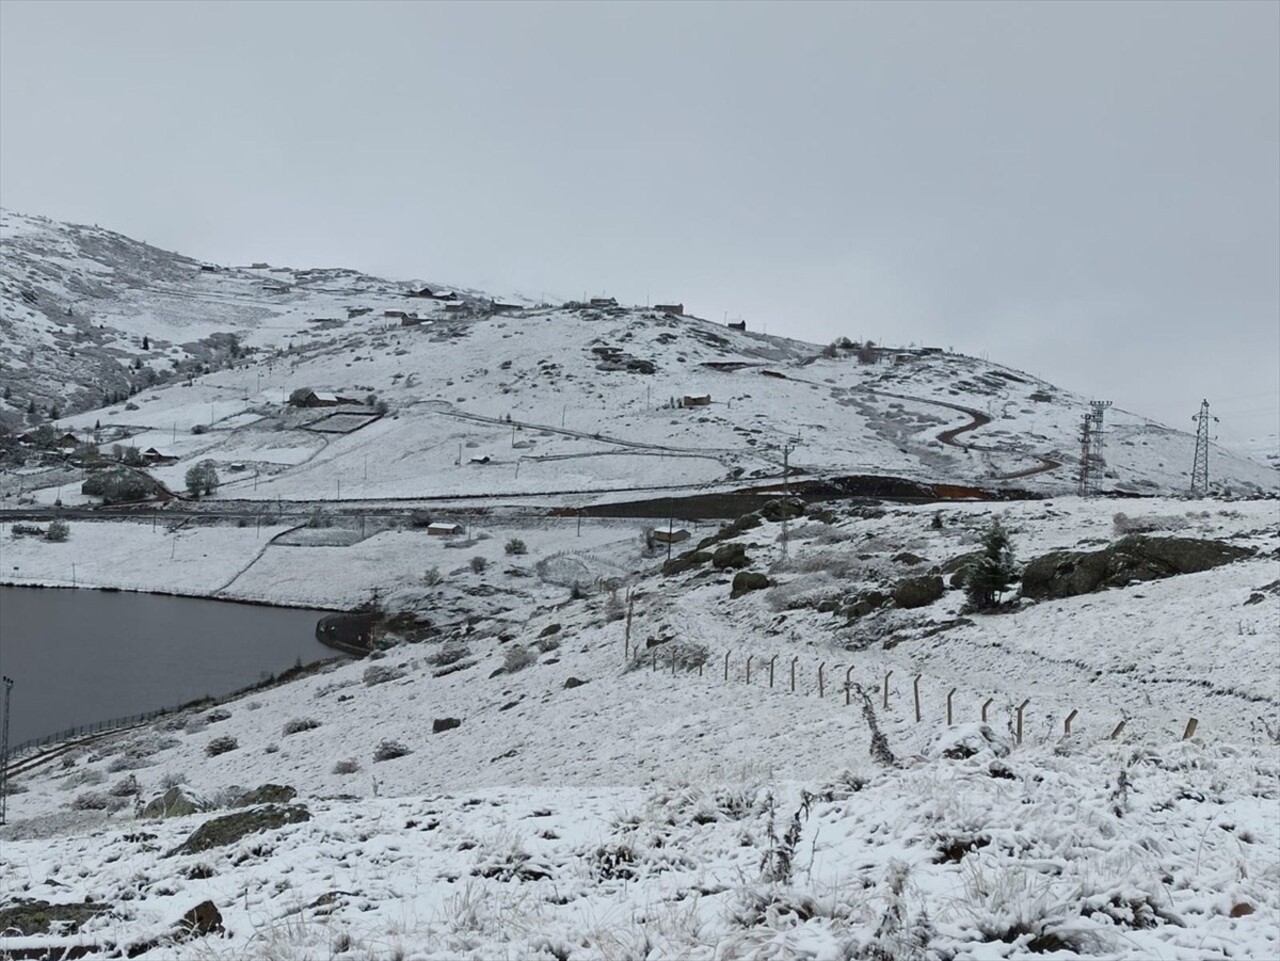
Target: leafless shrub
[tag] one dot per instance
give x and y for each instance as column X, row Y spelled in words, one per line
column 221, row 745
column 449, row 654
column 300, row 724
column 381, row 674
column 171, row 779
column 349, row 766
column 432, row 577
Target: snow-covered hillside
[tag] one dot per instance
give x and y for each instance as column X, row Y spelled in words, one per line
column 681, row 793
column 573, row 404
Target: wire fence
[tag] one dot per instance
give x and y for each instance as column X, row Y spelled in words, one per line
column 35, row 744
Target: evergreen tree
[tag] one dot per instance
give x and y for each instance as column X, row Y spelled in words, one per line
column 994, row 572
column 146, row 342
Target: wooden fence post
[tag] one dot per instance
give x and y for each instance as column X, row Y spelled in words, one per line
column 1119, row 730
column 986, row 704
column 631, row 600
column 1021, row 707
column 821, row 667
column 726, row 664
column 915, row 684
column 848, row 686
column 950, row 694
column 1066, row 725
column 793, row 673
column 655, row 658
column 673, row 663
column 1190, row 732
column 749, row 657
column 772, row 663
column 885, row 700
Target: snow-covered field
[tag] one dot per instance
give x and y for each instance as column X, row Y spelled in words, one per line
column 588, row 805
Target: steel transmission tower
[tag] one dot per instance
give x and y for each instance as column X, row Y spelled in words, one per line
column 1091, row 438
column 4, row 751
column 1200, row 466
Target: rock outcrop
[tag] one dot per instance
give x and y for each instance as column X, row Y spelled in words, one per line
column 1135, row 558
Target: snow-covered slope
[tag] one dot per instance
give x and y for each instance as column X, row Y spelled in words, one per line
column 589, row 805
column 575, row 399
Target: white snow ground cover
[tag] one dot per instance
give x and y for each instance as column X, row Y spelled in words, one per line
column 660, row 814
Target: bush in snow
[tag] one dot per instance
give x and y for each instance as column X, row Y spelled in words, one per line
column 388, row 749
column 432, row 577
column 381, row 674
column 516, row 546
column 300, row 724
column 58, row 531
column 221, row 745
column 477, row 564
column 349, row 766
column 448, row 655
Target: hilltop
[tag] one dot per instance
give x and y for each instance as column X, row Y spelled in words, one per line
column 573, row 403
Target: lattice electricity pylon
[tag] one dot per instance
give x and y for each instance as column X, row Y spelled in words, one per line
column 1091, row 459
column 1085, row 482
column 4, row 752
column 1200, row 466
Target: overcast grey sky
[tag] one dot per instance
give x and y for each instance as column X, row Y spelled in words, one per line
column 1089, row 191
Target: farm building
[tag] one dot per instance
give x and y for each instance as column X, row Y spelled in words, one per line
column 410, row 320
column 441, row 529
column 689, row 400
column 498, row 306
column 737, row 325
column 670, row 308
column 154, row 457
column 398, row 314
column 604, row 302
column 454, row 305
column 319, row 399
column 670, row 537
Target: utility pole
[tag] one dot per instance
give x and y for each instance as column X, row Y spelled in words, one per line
column 4, row 750
column 1200, row 466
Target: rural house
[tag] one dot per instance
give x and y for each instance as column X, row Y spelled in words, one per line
column 155, row 458
column 604, row 302
column 670, row 537
column 690, row 400
column 737, row 325
column 670, row 308
column 441, row 529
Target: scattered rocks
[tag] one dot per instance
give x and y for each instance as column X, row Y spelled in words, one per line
column 729, row 556
column 1135, row 558
column 745, row 581
column 686, row 561
column 221, row 831
column 266, row 794
column 174, row 803
column 783, row 509
column 38, row 917
column 445, row 724
column 573, row 682
column 920, row 591
column 958, row 568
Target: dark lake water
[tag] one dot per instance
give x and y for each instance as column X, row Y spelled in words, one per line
column 79, row 656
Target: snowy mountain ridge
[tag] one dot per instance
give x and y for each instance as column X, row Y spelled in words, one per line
column 579, row 401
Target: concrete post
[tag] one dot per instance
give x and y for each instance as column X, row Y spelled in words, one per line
column 1190, row 731
column 749, row 657
column 1066, row 725
column 950, row 694
column 884, row 701
column 986, row 704
column 915, row 684
column 772, row 663
column 793, row 673
column 1021, row 707
column 726, row 664
column 821, row 667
